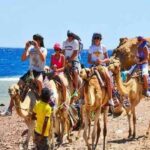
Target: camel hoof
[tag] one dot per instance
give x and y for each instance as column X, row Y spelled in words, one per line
column 129, row 136
column 77, row 138
column 25, row 145
column 89, row 148
column 70, row 140
column 24, row 132
column 134, row 136
column 93, row 147
column 59, row 141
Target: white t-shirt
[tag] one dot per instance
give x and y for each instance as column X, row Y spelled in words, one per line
column 97, row 52
column 35, row 61
column 70, row 47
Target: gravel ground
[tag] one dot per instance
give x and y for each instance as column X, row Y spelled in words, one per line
column 12, row 127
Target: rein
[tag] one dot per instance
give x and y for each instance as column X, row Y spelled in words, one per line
column 19, row 106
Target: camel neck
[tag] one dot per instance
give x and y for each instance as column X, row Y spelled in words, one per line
column 120, row 85
column 18, row 106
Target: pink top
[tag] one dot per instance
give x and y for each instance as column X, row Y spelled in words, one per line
column 57, row 62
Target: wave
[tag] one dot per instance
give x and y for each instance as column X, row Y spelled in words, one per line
column 16, row 78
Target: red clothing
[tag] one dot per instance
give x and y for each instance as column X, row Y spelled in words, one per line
column 57, row 62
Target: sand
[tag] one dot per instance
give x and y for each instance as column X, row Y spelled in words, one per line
column 12, row 127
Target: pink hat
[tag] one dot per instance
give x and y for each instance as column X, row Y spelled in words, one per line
column 57, row 46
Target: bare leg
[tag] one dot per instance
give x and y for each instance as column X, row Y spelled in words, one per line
column 145, row 82
column 75, row 73
column 63, row 89
column 39, row 81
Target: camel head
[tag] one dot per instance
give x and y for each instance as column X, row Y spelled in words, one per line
column 126, row 52
column 114, row 66
column 85, row 72
column 14, row 90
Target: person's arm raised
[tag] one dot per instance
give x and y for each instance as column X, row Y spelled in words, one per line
column 26, row 52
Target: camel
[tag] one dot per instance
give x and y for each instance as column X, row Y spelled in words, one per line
column 133, row 88
column 126, row 52
column 95, row 98
column 24, row 108
column 66, row 115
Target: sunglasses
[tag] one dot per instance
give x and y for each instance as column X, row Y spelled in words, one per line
column 97, row 38
column 57, row 50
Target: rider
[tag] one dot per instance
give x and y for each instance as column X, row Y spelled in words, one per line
column 142, row 62
column 35, row 51
column 71, row 51
column 98, row 56
column 58, row 65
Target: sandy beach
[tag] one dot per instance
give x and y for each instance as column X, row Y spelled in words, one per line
column 12, row 127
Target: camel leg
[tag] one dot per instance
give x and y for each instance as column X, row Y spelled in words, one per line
column 79, row 132
column 82, row 124
column 68, row 131
column 98, row 131
column 62, row 125
column 86, row 125
column 147, row 133
column 134, row 123
column 129, row 121
column 94, row 133
column 57, row 126
column 89, row 130
column 30, row 125
column 105, row 127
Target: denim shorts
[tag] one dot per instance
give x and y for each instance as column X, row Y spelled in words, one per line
column 26, row 75
column 76, row 65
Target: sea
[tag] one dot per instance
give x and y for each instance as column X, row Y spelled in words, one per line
column 11, row 67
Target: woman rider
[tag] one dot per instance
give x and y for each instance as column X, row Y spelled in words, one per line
column 98, row 56
column 58, row 65
column 35, row 51
column 142, row 62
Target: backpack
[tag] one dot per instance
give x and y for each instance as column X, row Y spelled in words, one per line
column 80, row 43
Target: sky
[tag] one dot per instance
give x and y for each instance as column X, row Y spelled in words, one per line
column 20, row 19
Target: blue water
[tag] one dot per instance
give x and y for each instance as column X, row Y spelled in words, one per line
column 12, row 66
